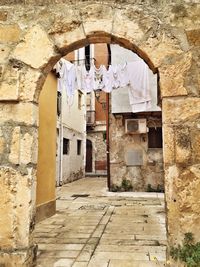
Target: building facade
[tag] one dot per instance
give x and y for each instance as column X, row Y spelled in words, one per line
column 71, row 135
column 96, row 158
column 135, row 156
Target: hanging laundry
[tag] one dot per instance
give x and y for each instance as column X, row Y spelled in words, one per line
column 134, row 74
column 98, row 77
column 59, row 72
column 139, row 91
column 116, row 76
column 71, row 85
column 123, row 75
column 66, row 80
column 108, row 79
column 88, row 82
column 78, row 69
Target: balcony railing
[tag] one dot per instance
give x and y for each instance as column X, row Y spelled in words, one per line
column 90, row 117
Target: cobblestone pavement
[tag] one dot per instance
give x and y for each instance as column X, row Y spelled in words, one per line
column 103, row 229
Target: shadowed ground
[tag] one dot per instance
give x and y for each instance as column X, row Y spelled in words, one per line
column 96, row 228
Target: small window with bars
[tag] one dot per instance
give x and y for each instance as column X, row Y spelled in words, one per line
column 66, row 146
column 79, row 144
column 155, row 137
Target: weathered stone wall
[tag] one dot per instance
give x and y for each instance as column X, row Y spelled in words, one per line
column 99, row 151
column 38, row 33
column 73, row 164
column 148, row 172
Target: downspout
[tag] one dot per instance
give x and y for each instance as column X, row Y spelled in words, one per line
column 108, row 127
column 108, row 140
column 61, row 143
column 60, row 150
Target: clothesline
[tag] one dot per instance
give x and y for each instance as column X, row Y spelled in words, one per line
column 82, row 59
column 132, row 74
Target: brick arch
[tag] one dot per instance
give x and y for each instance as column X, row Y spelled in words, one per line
column 34, row 47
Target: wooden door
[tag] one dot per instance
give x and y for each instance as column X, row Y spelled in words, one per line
column 88, row 167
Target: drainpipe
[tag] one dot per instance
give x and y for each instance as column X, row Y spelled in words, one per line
column 108, row 127
column 60, row 181
column 108, row 140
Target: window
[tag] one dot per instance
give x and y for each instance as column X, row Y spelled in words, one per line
column 79, row 147
column 59, row 102
column 87, row 57
column 65, row 146
column 79, row 99
column 155, row 137
column 104, row 136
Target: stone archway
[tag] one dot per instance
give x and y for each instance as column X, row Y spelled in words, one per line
column 36, row 37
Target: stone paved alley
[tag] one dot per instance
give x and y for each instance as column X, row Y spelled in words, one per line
column 102, row 229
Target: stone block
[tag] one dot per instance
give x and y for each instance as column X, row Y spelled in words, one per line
column 30, row 85
column 180, row 110
column 182, row 145
column 99, row 19
column 9, row 87
column 21, row 113
column 3, row 15
column 137, row 24
column 28, row 148
column 23, row 148
column 36, row 49
column 2, row 144
column 9, row 33
column 184, row 15
column 14, row 156
column 195, row 143
column 16, row 198
column 6, row 218
column 67, row 31
column 159, row 48
column 69, row 39
column 193, row 37
column 14, row 259
column 182, row 187
column 4, row 52
column 172, row 76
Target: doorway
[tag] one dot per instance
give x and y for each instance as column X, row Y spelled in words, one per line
column 88, row 167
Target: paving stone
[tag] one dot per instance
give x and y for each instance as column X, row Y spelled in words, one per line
column 63, row 263
column 125, row 248
column 121, row 255
column 50, row 246
column 85, row 255
column 59, row 254
column 106, row 230
column 80, row 264
column 125, row 263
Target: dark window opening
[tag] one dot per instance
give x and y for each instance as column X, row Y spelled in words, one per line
column 59, row 101
column 65, row 146
column 104, row 136
column 109, row 54
column 79, row 99
column 155, row 137
column 87, row 57
column 79, row 147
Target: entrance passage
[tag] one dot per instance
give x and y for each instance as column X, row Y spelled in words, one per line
column 96, row 228
column 88, row 167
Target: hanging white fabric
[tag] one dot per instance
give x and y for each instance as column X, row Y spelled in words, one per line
column 87, row 79
column 108, row 79
column 135, row 74
column 98, row 77
column 67, row 77
column 123, row 75
column 139, row 90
